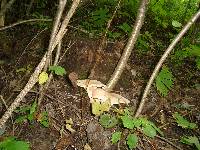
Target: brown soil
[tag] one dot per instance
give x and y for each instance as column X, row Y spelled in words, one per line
column 63, row 101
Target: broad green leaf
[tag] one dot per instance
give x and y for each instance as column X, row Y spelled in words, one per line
column 11, row 143
column 108, row 121
column 58, row 70
column 191, row 140
column 149, row 131
column 128, row 121
column 176, row 24
column 43, row 77
column 184, row 123
column 132, row 141
column 116, row 136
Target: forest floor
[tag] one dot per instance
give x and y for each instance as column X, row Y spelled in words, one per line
column 63, row 101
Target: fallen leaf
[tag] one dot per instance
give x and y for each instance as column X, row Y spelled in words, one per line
column 43, row 77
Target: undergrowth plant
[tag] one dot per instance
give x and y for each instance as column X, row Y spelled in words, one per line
column 185, row 124
column 29, row 114
column 11, row 143
column 164, row 81
column 125, row 120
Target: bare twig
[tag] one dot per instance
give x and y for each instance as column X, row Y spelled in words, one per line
column 109, row 23
column 51, row 75
column 29, row 7
column 103, row 41
column 163, row 58
column 169, row 142
column 24, row 21
column 128, row 49
column 24, row 51
column 34, row 77
column 59, row 13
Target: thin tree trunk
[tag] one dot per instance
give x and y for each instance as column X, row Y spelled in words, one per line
column 129, row 47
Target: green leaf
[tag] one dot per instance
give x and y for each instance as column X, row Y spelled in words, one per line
column 33, row 107
column 128, row 121
column 44, row 119
column 58, row 70
column 116, row 136
column 164, row 81
column 184, row 123
column 191, row 140
column 195, row 50
column 23, row 109
column 21, row 119
column 149, row 131
column 43, row 77
column 176, row 24
column 132, row 141
column 98, row 108
column 126, row 28
column 11, row 143
column 30, row 117
column 198, row 62
column 108, row 121
column 157, row 129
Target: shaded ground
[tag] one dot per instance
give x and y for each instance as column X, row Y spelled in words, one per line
column 63, row 101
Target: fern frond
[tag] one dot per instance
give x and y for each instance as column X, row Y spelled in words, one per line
column 164, row 81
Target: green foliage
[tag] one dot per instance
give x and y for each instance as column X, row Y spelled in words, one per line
column 190, row 51
column 132, row 124
column 132, row 141
column 165, row 11
column 176, row 24
column 190, row 140
column 58, row 70
column 143, row 42
column 184, row 123
column 24, row 69
column 164, row 81
column 108, row 121
column 99, row 108
column 116, row 136
column 10, row 143
column 97, row 21
column 28, row 113
column 125, row 28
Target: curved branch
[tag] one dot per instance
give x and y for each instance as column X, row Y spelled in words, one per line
column 24, row 21
column 128, row 49
column 163, row 58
